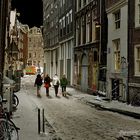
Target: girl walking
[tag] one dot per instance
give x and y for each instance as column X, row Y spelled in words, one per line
column 47, row 81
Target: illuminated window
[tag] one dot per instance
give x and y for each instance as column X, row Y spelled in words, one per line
column 137, row 60
column 117, row 54
column 137, row 13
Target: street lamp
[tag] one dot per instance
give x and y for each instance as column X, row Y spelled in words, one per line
column 97, row 24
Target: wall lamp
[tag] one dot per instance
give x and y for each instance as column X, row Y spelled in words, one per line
column 97, row 25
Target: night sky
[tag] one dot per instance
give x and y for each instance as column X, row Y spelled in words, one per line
column 30, row 11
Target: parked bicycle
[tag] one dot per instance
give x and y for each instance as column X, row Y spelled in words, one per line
column 8, row 130
column 15, row 100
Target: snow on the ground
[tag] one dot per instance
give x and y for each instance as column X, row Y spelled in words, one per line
column 69, row 117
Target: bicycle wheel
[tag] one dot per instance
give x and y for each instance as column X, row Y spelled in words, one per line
column 3, row 129
column 8, row 130
column 15, row 100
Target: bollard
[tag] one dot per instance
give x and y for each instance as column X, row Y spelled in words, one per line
column 38, row 121
column 43, row 123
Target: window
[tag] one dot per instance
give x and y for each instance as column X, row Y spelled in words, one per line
column 34, row 54
column 83, row 30
column 88, row 27
column 29, row 63
column 60, row 25
column 70, row 20
column 79, row 5
column 69, row 49
column 117, row 20
column 70, row 16
column 64, row 24
column 67, row 22
column 30, row 55
column 137, row 13
column 67, row 17
column 30, row 39
column 137, row 60
column 117, row 54
column 78, row 32
column 94, row 14
column 84, row 2
column 38, row 30
column 75, row 57
column 34, row 62
column 61, row 3
column 62, row 51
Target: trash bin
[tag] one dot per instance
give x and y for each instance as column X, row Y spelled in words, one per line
column 8, row 86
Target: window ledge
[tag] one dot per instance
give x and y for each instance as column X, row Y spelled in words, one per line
column 137, row 27
column 137, row 75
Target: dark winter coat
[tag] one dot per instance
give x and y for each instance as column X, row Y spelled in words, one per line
column 63, row 82
column 38, row 80
column 47, row 81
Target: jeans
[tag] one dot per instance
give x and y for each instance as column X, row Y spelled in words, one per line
column 56, row 89
column 63, row 88
column 47, row 91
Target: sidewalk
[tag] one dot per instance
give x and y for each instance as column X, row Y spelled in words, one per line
column 26, row 118
column 114, row 105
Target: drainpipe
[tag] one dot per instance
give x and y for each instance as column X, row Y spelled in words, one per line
column 129, row 44
column 100, row 45
column 3, row 24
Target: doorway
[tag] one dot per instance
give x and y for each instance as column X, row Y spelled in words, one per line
column 115, row 89
column 84, row 74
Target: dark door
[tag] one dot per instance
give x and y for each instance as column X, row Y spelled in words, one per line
column 69, row 70
column 115, row 89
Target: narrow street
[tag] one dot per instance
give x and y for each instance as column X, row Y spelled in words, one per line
column 67, row 118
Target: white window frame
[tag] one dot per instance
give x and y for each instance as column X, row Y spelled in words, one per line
column 67, row 16
column 137, row 60
column 117, row 19
column 137, row 13
column 64, row 22
column 70, row 14
column 60, row 23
